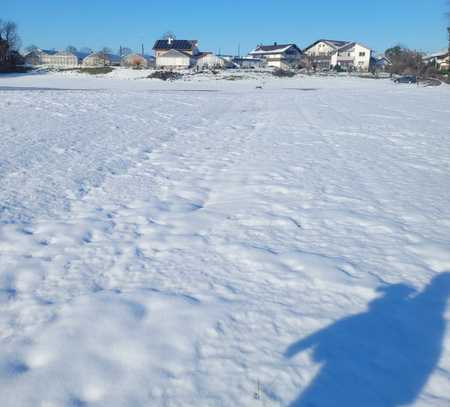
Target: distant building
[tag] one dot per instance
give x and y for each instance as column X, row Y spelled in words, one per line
column 248, row 63
column 51, row 58
column 439, row 59
column 320, row 52
column 208, row 60
column 327, row 54
column 80, row 56
column 98, row 59
column 151, row 60
column 175, row 54
column 352, row 56
column 381, row 62
column 283, row 56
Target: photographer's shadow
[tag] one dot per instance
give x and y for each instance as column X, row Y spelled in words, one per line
column 382, row 357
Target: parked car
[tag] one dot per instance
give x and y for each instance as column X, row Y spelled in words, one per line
column 406, row 79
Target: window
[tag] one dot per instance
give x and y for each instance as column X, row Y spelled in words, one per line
column 362, row 54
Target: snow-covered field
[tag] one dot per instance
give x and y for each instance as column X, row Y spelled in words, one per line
column 212, row 243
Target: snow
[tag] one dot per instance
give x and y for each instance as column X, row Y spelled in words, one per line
column 207, row 242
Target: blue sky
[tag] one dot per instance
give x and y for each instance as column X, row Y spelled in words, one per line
column 223, row 24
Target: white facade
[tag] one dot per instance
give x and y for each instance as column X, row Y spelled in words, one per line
column 440, row 59
column 321, row 48
column 352, row 56
column 52, row 59
column 279, row 56
column 96, row 60
column 211, row 61
column 174, row 59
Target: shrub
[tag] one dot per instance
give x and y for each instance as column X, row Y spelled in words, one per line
column 234, row 77
column 165, row 75
column 15, row 69
column 282, row 73
column 96, row 71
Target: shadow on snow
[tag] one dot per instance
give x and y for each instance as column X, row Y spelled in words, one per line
column 382, row 357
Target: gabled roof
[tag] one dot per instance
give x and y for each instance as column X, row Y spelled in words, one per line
column 441, row 54
column 332, row 43
column 48, row 51
column 350, row 45
column 273, row 49
column 176, row 53
column 383, row 58
column 203, row 54
column 81, row 55
column 182, row 45
column 347, row 46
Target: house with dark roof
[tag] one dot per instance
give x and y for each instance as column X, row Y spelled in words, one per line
column 282, row 56
column 173, row 54
column 319, row 52
column 381, row 62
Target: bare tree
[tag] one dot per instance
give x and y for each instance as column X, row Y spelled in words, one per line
column 31, row 48
column 9, row 45
column 124, row 51
column 103, row 55
column 71, row 49
column 168, row 34
column 8, row 33
column 106, row 50
column 448, row 29
column 405, row 61
column 137, row 62
column 86, row 50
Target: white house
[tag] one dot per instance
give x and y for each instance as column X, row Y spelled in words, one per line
column 439, row 59
column 207, row 60
column 175, row 54
column 175, row 59
column 51, row 58
column 98, row 59
column 352, row 56
column 320, row 52
column 282, row 56
column 248, row 63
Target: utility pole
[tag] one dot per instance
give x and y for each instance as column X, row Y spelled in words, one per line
column 239, row 50
column 142, row 49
